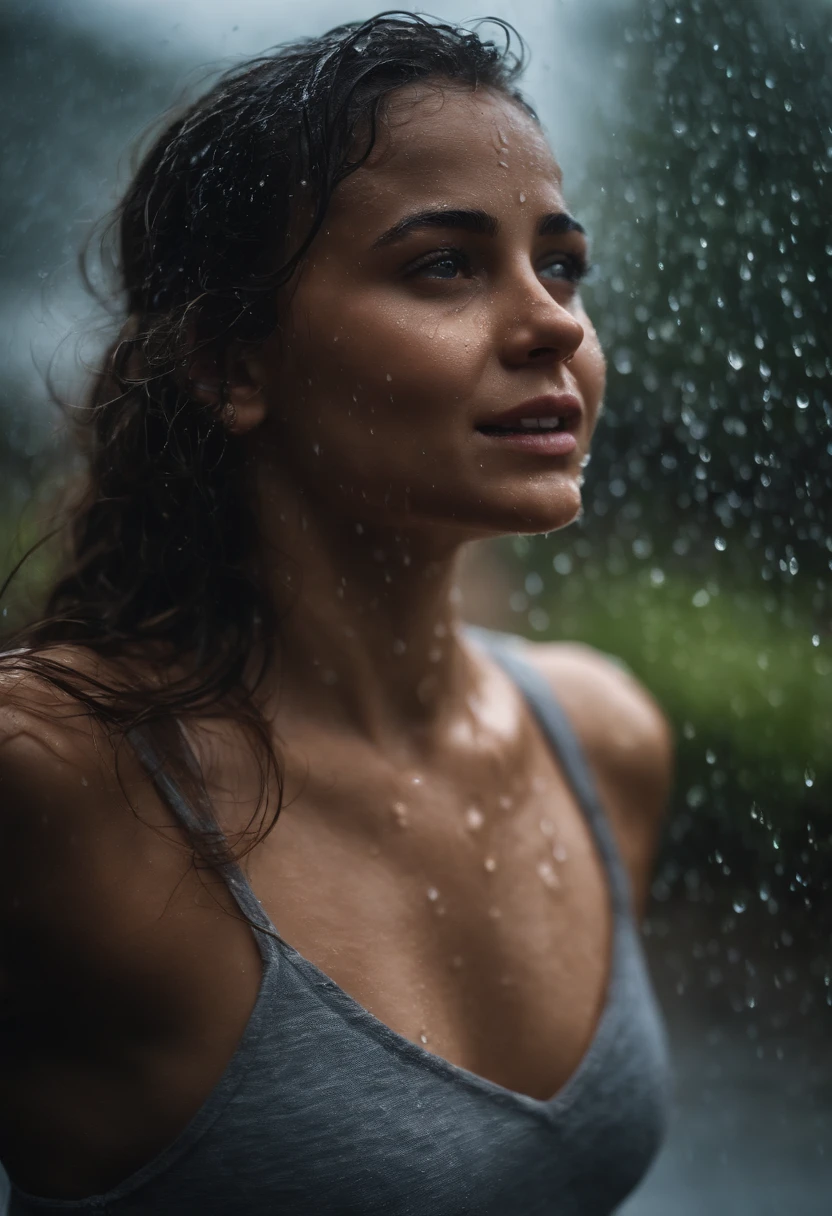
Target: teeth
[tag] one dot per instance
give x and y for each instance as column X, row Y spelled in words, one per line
column 540, row 424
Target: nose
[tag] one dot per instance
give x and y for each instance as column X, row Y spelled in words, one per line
column 537, row 329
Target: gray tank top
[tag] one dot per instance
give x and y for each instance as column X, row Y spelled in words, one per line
column 325, row 1111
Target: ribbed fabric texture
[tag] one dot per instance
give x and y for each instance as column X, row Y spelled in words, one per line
column 324, row 1111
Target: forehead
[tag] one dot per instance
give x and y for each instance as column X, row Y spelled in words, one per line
column 437, row 140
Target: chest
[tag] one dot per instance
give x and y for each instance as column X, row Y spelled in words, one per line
column 467, row 911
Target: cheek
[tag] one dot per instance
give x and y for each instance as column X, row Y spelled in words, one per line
column 388, row 352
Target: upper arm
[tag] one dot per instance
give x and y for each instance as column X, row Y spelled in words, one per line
column 85, row 862
column 628, row 743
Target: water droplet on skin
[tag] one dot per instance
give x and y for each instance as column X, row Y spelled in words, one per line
column 84, row 781
column 736, row 360
column 389, row 378
column 494, row 913
column 739, row 905
column 547, row 827
column 559, row 853
column 399, row 812
column 416, row 780
column 423, row 1038
column 538, row 785
column 505, row 802
column 503, row 164
column 522, row 197
column 548, row 875
column 474, row 819
column 433, row 894
column 490, row 864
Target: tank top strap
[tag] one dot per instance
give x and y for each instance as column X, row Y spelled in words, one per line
column 505, row 649
column 197, row 818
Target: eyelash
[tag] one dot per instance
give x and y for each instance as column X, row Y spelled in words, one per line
column 575, row 264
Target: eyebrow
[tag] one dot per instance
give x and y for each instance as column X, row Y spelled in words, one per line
column 555, row 223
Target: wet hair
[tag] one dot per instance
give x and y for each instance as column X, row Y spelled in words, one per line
column 163, row 553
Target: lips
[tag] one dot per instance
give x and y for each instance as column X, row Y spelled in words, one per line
column 553, row 411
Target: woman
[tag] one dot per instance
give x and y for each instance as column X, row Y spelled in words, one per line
column 354, row 344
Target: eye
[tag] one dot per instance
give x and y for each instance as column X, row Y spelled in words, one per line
column 441, row 264
column 565, row 267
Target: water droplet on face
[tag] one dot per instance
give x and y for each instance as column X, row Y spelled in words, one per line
column 399, row 812
column 416, row 780
column 522, row 197
column 504, row 802
column 559, row 853
column 474, row 819
column 490, row 864
column 739, row 905
column 503, row 164
column 433, row 894
column 494, row 913
column 547, row 827
column 423, row 1038
column 736, row 360
column 538, row 785
column 389, row 378
column 547, row 873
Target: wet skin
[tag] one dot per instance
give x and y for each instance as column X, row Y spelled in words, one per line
column 360, row 416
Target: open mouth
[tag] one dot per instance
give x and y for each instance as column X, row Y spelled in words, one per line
column 526, row 426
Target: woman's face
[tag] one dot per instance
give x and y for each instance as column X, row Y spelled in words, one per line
column 408, row 330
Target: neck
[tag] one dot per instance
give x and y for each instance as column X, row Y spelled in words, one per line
column 368, row 627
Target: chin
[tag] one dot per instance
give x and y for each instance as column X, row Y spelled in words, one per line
column 545, row 512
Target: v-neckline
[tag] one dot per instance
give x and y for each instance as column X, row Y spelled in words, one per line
column 331, row 993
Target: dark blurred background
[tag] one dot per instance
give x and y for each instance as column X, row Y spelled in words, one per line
column 696, row 140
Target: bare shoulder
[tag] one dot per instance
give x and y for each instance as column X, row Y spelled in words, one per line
column 51, row 747
column 617, row 718
column 627, row 739
column 78, row 822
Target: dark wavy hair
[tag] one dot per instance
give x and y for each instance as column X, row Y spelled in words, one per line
column 163, row 552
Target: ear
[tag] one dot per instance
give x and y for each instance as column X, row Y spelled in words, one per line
column 237, row 387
